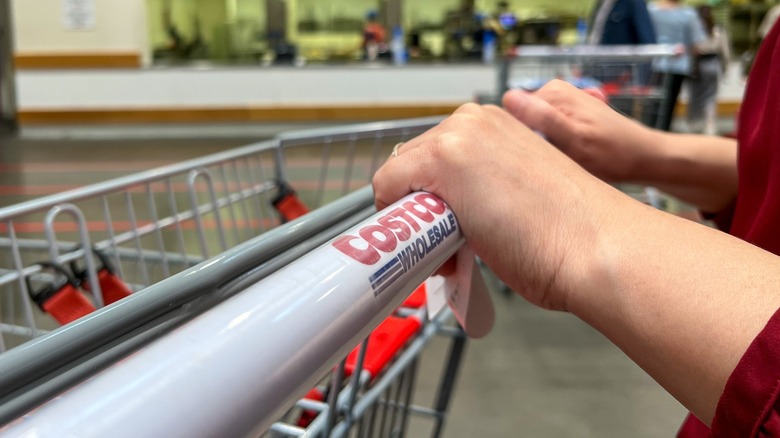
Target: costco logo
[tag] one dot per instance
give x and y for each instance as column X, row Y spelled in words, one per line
column 400, row 232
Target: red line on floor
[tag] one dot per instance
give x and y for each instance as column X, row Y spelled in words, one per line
column 90, row 166
column 122, row 226
column 157, row 187
column 136, row 166
column 48, row 189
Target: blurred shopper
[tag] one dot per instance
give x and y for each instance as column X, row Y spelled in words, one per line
column 487, row 38
column 678, row 25
column 746, row 58
column 619, row 22
column 507, row 23
column 710, row 66
column 374, row 37
column 463, row 30
column 177, row 46
column 505, row 16
column 769, row 20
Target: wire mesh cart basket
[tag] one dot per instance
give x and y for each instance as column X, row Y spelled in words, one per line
column 188, row 300
column 624, row 74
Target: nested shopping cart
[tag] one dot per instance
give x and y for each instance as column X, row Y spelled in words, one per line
column 625, row 74
column 187, row 292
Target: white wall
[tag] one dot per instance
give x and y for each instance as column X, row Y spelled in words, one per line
column 120, row 26
column 268, row 87
column 251, row 87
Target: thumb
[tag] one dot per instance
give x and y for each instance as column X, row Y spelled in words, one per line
column 537, row 114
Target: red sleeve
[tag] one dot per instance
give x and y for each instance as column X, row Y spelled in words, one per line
column 722, row 219
column 750, row 404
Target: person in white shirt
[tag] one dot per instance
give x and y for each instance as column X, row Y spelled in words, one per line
column 680, row 26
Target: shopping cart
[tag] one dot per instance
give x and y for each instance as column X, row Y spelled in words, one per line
column 623, row 73
column 175, row 244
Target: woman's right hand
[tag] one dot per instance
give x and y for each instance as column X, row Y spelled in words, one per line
column 603, row 141
column 535, row 217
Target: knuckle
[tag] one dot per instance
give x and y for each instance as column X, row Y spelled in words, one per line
column 556, row 84
column 554, row 89
column 494, row 110
column 445, row 141
column 468, row 108
column 446, row 146
column 463, row 121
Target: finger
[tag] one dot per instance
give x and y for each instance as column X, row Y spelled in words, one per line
column 408, row 172
column 411, row 169
column 538, row 115
column 404, row 146
column 561, row 94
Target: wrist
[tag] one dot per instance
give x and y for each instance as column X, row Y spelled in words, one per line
column 651, row 152
column 592, row 276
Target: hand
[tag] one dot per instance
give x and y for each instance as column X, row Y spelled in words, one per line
column 533, row 215
column 604, row 142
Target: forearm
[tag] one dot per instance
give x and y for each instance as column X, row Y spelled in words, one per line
column 697, row 169
column 682, row 300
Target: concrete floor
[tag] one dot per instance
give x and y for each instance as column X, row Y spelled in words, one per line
column 538, row 374
column 547, row 374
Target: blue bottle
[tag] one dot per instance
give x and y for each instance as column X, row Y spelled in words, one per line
column 582, row 31
column 489, row 40
column 397, row 46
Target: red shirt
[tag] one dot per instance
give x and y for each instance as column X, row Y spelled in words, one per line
column 750, row 403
